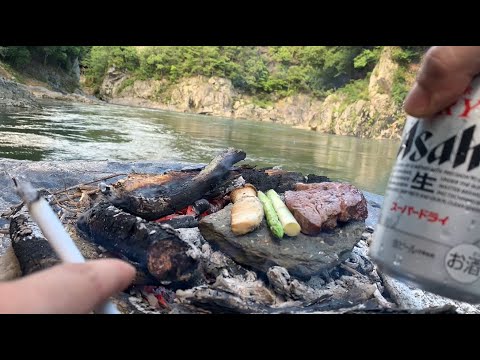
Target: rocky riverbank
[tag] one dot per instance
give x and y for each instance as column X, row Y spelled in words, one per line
column 15, row 94
column 43, row 93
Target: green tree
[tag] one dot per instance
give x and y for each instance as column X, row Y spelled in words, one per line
column 367, row 57
column 405, row 55
column 18, row 55
column 97, row 63
column 279, row 70
column 60, row 56
column 99, row 58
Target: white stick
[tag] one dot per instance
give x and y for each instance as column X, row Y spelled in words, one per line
column 55, row 233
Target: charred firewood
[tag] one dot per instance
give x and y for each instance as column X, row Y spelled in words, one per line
column 239, row 294
column 125, row 304
column 187, row 221
column 312, row 178
column 219, row 301
column 232, row 182
column 181, row 257
column 201, row 206
column 149, row 245
column 151, row 185
column 181, row 221
column 157, row 201
column 264, row 179
column 279, row 180
column 33, row 251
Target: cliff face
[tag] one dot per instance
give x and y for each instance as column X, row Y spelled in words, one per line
column 211, row 96
column 24, row 94
column 375, row 117
column 14, row 94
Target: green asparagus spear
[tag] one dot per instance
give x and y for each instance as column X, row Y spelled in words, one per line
column 272, row 219
column 290, row 225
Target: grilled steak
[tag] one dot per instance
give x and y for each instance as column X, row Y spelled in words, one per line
column 319, row 206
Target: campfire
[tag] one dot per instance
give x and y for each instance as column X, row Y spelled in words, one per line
column 219, row 239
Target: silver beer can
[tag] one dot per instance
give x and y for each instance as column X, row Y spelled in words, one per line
column 428, row 233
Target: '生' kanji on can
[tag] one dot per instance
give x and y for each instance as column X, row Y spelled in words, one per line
column 429, row 229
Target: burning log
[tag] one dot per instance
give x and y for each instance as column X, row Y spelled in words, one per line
column 150, row 245
column 188, row 218
column 33, row 251
column 153, row 202
column 150, row 185
column 277, row 179
column 181, row 221
column 181, row 257
column 201, row 206
column 126, row 304
column 232, row 182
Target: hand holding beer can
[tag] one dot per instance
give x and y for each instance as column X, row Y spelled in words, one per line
column 428, row 233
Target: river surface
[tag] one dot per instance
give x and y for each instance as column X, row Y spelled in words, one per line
column 108, row 132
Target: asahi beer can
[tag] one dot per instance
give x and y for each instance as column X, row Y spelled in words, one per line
column 428, row 233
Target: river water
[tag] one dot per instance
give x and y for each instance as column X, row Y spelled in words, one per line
column 107, row 132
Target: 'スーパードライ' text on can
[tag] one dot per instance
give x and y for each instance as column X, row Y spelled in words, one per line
column 429, row 229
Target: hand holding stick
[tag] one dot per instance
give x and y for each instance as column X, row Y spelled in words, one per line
column 54, row 232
